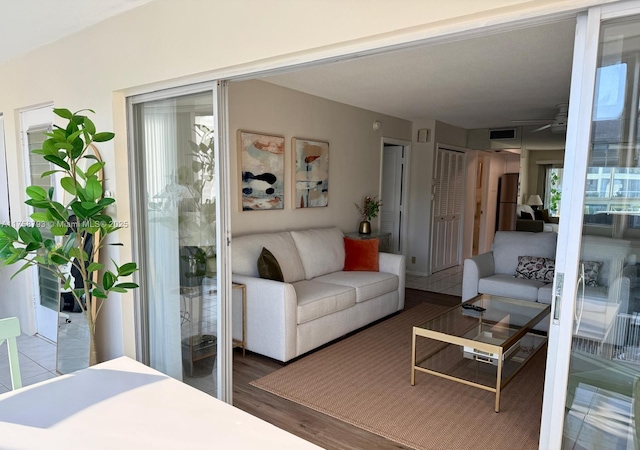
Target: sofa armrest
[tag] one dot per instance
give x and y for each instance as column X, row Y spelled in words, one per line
column 477, row 267
column 395, row 264
column 272, row 310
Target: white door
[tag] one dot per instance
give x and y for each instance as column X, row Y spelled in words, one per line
column 391, row 217
column 592, row 387
column 34, row 123
column 448, row 189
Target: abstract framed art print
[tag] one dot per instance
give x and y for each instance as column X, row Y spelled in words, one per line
column 311, row 173
column 261, row 161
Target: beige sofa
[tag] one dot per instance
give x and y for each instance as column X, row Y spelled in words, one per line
column 597, row 308
column 318, row 301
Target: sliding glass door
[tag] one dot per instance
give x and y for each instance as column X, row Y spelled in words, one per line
column 592, row 385
column 177, row 203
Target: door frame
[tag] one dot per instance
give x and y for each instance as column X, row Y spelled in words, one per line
column 406, row 162
column 45, row 319
column 569, row 244
column 224, row 364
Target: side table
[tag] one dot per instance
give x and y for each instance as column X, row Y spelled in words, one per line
column 384, row 237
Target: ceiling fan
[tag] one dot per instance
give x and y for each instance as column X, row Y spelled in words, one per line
column 557, row 125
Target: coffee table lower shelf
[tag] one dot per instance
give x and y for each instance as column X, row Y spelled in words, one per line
column 477, row 363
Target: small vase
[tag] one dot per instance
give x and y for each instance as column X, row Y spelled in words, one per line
column 365, row 227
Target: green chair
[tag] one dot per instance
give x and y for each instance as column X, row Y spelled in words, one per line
column 9, row 330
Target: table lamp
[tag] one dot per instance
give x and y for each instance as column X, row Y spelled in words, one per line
column 534, row 201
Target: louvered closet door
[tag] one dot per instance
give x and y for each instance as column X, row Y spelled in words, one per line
column 447, row 209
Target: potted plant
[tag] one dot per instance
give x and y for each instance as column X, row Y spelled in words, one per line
column 368, row 210
column 80, row 228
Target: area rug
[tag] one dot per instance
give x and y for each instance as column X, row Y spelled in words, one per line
column 364, row 380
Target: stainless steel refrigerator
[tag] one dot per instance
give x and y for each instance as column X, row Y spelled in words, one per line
column 507, row 202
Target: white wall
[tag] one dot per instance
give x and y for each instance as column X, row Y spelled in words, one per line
column 167, row 43
column 354, row 153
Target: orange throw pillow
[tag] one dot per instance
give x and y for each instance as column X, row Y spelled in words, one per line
column 361, row 254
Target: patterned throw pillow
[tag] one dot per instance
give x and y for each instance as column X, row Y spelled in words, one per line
column 591, row 271
column 535, row 268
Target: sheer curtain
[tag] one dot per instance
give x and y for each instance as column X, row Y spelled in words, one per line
column 158, row 120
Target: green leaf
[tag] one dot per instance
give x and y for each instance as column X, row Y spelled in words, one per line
column 57, row 161
column 79, row 210
column 27, row 235
column 23, row 268
column 37, row 203
column 69, row 185
column 75, row 252
column 58, row 230
column 40, row 217
column 50, row 172
column 64, row 146
column 103, row 137
column 95, row 168
column 127, row 269
column 99, row 293
column 81, row 173
column 32, row 246
column 94, row 266
column 127, row 285
column 48, row 147
column 104, row 202
column 63, row 112
column 108, row 280
column 50, row 192
column 73, row 136
column 37, row 193
column 91, row 128
column 49, row 244
column 69, row 243
column 9, row 232
column 58, row 259
column 118, row 289
column 93, row 188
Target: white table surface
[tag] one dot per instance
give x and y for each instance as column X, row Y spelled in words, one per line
column 122, row 404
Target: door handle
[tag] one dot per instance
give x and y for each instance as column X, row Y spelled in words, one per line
column 577, row 312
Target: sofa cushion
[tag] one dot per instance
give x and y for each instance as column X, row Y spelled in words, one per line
column 535, row 268
column 361, row 254
column 268, row 267
column 368, row 285
column 246, row 249
column 545, row 294
column 321, row 250
column 316, row 299
column 508, row 245
column 507, row 285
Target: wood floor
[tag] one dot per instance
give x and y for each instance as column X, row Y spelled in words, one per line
column 311, row 425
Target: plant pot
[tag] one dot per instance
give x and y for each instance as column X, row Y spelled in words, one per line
column 365, row 227
column 193, row 266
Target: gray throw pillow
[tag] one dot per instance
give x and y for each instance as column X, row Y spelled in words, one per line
column 535, row 268
column 268, row 267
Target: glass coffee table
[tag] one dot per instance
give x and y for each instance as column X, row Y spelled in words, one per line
column 483, row 342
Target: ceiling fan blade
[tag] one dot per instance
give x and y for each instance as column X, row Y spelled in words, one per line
column 533, row 121
column 541, row 128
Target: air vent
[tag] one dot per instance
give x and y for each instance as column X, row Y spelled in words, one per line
column 502, row 135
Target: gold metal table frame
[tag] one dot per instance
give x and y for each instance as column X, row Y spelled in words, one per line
column 497, row 351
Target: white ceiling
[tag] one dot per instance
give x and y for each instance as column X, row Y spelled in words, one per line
column 476, row 83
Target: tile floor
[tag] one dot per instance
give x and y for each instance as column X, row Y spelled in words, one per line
column 37, row 358
column 448, row 281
